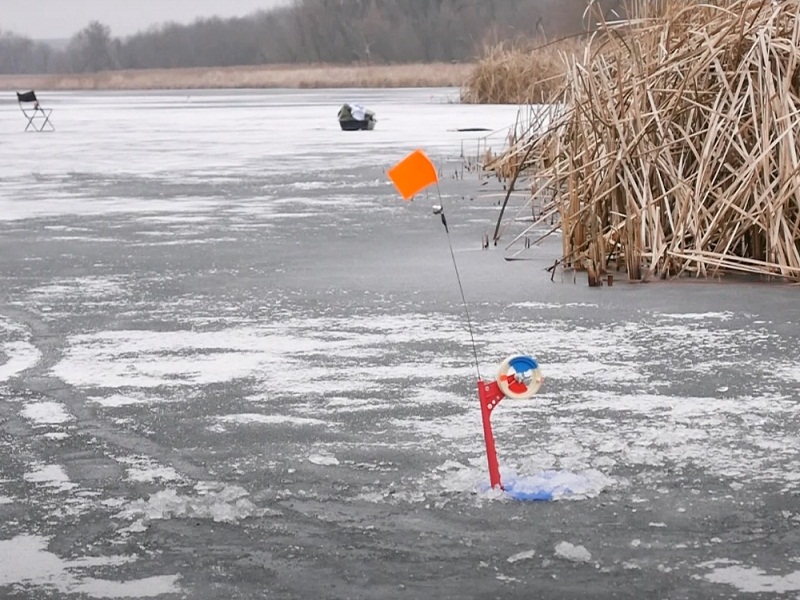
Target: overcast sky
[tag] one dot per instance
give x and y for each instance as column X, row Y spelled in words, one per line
column 55, row 19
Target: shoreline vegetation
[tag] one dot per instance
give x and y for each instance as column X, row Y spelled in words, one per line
column 504, row 74
column 242, row 77
column 522, row 73
column 674, row 150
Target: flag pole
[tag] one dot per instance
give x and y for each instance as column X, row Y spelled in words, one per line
column 440, row 211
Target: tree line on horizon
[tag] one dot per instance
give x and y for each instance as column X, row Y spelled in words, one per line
column 308, row 31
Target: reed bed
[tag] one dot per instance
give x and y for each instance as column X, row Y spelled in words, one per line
column 677, row 147
column 519, row 74
column 262, row 76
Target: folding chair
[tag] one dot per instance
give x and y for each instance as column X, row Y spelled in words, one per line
column 30, row 107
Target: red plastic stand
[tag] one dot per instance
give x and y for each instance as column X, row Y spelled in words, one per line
column 489, row 395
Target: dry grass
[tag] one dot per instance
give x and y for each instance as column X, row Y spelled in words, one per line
column 275, row 76
column 520, row 74
column 678, row 147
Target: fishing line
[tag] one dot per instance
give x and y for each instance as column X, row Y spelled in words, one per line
column 439, row 210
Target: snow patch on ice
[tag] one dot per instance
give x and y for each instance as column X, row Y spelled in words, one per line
column 552, row 305
column 717, row 316
column 120, row 400
column 456, row 428
column 25, row 560
column 50, row 476
column 13, row 209
column 595, row 371
column 92, row 288
column 46, row 413
column 148, row 359
column 788, row 371
column 146, row 470
column 751, row 580
column 257, row 418
column 22, row 356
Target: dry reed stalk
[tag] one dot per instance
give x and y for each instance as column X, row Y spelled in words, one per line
column 678, row 149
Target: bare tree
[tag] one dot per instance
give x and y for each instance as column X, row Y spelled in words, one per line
column 19, row 54
column 91, row 49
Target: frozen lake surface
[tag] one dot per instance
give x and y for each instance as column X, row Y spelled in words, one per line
column 234, row 364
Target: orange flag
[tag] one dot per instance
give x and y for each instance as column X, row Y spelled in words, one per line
column 413, row 174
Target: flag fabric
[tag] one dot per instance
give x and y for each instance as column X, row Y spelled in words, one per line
column 413, row 174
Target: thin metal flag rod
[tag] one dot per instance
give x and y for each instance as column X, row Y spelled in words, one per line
column 440, row 211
